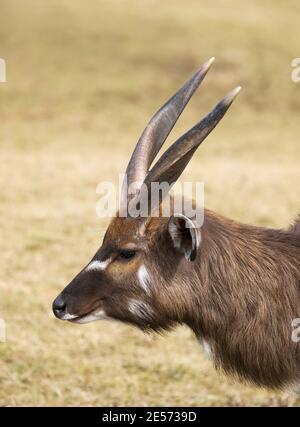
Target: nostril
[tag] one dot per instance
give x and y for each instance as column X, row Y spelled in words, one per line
column 59, row 305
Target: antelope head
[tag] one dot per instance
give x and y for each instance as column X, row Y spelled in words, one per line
column 139, row 274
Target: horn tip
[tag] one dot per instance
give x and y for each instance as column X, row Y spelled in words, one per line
column 206, row 66
column 228, row 100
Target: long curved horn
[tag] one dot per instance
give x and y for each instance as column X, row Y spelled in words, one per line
column 174, row 160
column 158, row 130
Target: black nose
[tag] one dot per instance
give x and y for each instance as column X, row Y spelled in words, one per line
column 59, row 307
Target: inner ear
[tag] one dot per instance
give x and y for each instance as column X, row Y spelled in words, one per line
column 185, row 236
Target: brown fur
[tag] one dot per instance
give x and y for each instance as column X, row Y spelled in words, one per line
column 235, row 286
column 240, row 294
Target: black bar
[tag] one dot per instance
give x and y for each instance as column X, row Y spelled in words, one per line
column 90, row 417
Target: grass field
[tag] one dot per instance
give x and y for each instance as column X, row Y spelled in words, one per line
column 83, row 78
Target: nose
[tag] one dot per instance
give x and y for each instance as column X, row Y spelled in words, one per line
column 59, row 307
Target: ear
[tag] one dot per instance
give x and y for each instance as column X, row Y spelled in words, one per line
column 185, row 236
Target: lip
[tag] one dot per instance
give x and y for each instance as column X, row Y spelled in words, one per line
column 75, row 319
column 96, row 314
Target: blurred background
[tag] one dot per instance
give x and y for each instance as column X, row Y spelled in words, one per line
column 83, row 78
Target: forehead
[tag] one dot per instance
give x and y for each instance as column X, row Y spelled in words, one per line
column 127, row 232
column 122, row 231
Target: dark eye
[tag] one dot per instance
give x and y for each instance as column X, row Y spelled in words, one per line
column 127, row 254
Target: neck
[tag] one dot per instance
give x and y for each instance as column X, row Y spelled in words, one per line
column 247, row 295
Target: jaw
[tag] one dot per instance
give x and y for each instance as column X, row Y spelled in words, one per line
column 97, row 314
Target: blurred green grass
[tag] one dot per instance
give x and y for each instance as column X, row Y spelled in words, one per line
column 82, row 81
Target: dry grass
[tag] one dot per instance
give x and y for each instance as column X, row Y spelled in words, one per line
column 83, row 78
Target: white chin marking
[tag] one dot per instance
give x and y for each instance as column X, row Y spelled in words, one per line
column 98, row 314
column 144, row 279
column 97, row 265
column 68, row 316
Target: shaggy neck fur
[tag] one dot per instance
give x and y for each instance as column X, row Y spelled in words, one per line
column 242, row 294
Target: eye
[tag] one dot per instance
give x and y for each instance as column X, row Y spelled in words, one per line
column 127, row 254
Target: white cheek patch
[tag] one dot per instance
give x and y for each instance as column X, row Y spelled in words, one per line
column 141, row 310
column 144, row 279
column 98, row 265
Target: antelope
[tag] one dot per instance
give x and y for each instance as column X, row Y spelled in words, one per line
column 236, row 286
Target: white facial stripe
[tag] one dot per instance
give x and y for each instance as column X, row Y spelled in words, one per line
column 92, row 317
column 144, row 279
column 98, row 265
column 141, row 309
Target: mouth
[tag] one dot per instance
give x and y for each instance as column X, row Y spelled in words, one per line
column 92, row 316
